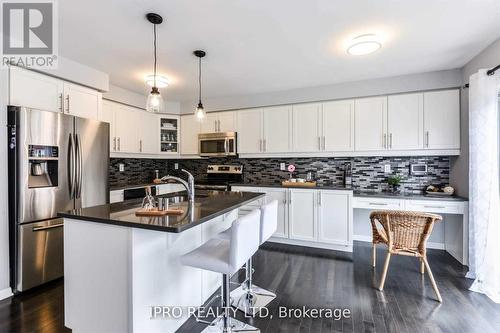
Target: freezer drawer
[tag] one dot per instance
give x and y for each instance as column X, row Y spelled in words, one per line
column 40, row 251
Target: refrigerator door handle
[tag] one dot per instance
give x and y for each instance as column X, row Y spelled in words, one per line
column 78, row 190
column 71, row 167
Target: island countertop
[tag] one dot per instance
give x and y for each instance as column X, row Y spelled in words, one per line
column 207, row 206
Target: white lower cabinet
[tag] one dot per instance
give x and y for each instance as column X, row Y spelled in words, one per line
column 309, row 217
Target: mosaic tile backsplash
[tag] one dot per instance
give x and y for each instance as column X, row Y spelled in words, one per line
column 367, row 172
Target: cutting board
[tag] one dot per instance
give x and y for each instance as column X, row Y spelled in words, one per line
column 298, row 184
column 157, row 212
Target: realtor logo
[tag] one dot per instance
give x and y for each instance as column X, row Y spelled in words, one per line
column 29, row 33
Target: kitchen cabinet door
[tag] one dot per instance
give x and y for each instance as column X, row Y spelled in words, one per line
column 127, row 133
column 81, row 101
column 405, row 118
column 35, row 90
column 226, row 121
column 302, row 214
column 107, row 115
column 277, row 124
column 281, row 196
column 190, row 128
column 334, row 218
column 249, row 128
column 149, row 140
column 338, row 126
column 306, row 128
column 442, row 119
column 370, row 122
column 209, row 124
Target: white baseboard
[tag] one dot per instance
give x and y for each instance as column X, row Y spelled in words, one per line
column 430, row 245
column 336, row 247
column 5, row 293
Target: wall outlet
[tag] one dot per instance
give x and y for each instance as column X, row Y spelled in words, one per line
column 387, row 168
column 176, row 166
column 121, row 167
column 282, row 166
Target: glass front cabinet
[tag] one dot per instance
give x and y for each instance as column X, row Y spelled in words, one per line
column 169, row 134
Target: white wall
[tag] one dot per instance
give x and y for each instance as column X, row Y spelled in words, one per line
column 459, row 173
column 389, row 85
column 125, row 96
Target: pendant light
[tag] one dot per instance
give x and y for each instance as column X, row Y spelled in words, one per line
column 155, row 101
column 200, row 111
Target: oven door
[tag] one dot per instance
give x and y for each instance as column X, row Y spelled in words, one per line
column 217, row 144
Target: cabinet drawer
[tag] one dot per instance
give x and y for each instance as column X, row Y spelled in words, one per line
column 378, row 203
column 443, row 207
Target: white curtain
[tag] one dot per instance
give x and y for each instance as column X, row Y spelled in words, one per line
column 484, row 196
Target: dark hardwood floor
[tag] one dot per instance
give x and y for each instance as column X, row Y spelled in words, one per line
column 320, row 279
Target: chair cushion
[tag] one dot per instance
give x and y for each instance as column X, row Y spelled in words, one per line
column 211, row 256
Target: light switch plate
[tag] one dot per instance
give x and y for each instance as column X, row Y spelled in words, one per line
column 176, row 166
column 282, row 166
column 387, row 168
column 121, row 167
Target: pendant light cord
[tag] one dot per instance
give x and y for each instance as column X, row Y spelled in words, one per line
column 199, row 78
column 154, row 48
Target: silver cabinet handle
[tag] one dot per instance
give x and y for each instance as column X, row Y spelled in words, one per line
column 114, row 143
column 218, row 122
column 61, row 102
column 427, row 139
column 215, row 125
column 437, row 207
column 319, row 143
column 319, row 198
column 385, row 141
column 119, row 146
column 48, row 227
column 324, row 143
column 265, row 145
column 260, row 145
column 390, row 140
column 67, row 103
column 377, row 204
column 140, row 146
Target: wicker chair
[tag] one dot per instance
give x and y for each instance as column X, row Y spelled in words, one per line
column 404, row 233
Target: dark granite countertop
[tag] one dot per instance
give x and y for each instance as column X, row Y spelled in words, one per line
column 319, row 186
column 207, row 206
column 124, row 187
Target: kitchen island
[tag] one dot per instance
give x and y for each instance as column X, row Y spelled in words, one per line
column 118, row 266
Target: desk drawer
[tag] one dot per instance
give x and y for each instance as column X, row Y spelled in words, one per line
column 434, row 206
column 377, row 203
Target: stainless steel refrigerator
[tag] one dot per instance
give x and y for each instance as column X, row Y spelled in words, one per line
column 57, row 162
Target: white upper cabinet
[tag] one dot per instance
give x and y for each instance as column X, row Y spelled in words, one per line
column 81, row 101
column 34, row 90
column 405, row 121
column 209, row 123
column 442, row 119
column 226, row 122
column 306, row 127
column 370, row 121
column 149, row 138
column 39, row 91
column 219, row 122
column 338, row 126
column 249, row 128
column 107, row 115
column 277, row 125
column 190, row 128
column 126, row 129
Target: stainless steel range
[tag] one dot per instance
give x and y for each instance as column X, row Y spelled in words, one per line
column 220, row 177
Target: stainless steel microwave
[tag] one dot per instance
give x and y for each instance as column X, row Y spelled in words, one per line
column 217, row 144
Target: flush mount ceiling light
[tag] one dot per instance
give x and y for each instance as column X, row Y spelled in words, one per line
column 200, row 111
column 364, row 44
column 161, row 81
column 154, row 102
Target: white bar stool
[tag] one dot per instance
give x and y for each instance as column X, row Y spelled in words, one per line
column 226, row 256
column 248, row 297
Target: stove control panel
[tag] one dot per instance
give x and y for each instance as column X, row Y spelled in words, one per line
column 227, row 169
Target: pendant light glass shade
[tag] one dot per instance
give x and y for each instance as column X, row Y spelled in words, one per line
column 155, row 101
column 200, row 112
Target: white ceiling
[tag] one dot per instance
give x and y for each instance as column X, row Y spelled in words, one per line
column 257, row 46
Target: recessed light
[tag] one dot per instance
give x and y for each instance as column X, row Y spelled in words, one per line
column 364, row 44
column 161, row 81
